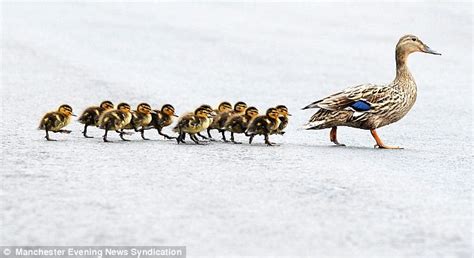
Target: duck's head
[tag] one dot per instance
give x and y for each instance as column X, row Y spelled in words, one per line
column 209, row 109
column 224, row 107
column 124, row 107
column 240, row 107
column 202, row 112
column 283, row 110
column 168, row 109
column 65, row 110
column 410, row 43
column 144, row 108
column 251, row 112
column 272, row 113
column 106, row 105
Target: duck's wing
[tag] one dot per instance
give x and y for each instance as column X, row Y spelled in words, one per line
column 359, row 98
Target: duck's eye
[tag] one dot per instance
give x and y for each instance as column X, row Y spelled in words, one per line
column 414, row 39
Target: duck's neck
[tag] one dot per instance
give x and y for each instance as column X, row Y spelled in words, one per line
column 403, row 74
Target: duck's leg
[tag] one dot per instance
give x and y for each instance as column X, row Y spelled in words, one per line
column 164, row 135
column 85, row 131
column 333, row 136
column 142, row 133
column 47, row 136
column 232, row 138
column 380, row 144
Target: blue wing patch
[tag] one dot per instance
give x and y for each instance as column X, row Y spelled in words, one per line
column 361, row 105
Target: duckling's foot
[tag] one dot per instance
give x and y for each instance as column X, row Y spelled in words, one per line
column 64, row 131
column 123, row 139
column 49, row 139
column 85, row 132
column 236, row 142
column 105, row 139
column 202, row 136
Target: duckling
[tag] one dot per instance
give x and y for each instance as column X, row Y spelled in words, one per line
column 192, row 124
column 208, row 121
column 141, row 118
column 264, row 125
column 116, row 119
column 163, row 118
column 369, row 106
column 283, row 111
column 91, row 115
column 217, row 121
column 239, row 108
column 239, row 123
column 54, row 121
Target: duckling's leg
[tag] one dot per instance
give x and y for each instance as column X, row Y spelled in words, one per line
column 232, row 138
column 165, row 135
column 380, row 144
column 105, row 135
column 85, row 132
column 47, row 136
column 223, row 135
column 194, row 138
column 202, row 136
column 142, row 133
column 251, row 138
column 267, row 141
column 121, row 133
column 333, row 136
column 180, row 138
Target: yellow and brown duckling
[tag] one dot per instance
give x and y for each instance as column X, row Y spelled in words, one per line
column 264, row 125
column 239, row 108
column 163, row 118
column 141, row 118
column 91, row 115
column 116, row 119
column 56, row 120
column 192, row 124
column 209, row 120
column 283, row 111
column 217, row 122
column 238, row 123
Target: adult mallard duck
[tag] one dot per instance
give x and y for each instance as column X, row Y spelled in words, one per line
column 370, row 106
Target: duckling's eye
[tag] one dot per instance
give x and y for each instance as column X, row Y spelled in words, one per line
column 414, row 39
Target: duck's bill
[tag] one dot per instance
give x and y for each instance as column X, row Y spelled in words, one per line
column 73, row 115
column 289, row 114
column 175, row 115
column 430, row 51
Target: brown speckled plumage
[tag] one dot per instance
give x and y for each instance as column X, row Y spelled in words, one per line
column 386, row 104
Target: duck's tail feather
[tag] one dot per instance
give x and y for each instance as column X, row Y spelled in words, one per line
column 312, row 105
column 314, row 125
